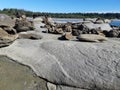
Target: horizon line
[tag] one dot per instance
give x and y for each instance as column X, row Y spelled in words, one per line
column 99, row 12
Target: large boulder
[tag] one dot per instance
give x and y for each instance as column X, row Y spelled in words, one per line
column 103, row 26
column 84, row 65
column 29, row 35
column 6, row 39
column 76, row 32
column 23, row 25
column 9, row 30
column 66, row 36
column 107, row 21
column 14, row 76
column 113, row 33
column 6, row 20
column 91, row 38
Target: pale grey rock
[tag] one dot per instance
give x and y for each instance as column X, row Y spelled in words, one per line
column 5, row 20
column 15, row 76
column 94, row 66
column 51, row 86
column 38, row 19
column 90, row 19
column 102, row 27
column 6, row 39
column 91, row 38
column 68, row 88
column 30, row 35
column 107, row 21
column 99, row 21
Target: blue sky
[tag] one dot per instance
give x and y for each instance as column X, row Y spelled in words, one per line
column 63, row 5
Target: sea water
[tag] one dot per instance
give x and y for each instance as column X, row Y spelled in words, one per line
column 113, row 23
column 67, row 20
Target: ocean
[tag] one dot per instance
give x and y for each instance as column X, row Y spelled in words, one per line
column 113, row 23
column 66, row 20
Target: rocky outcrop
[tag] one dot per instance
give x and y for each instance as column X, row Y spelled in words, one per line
column 59, row 65
column 103, row 26
column 7, row 32
column 91, row 38
column 23, row 25
column 113, row 33
column 29, row 35
column 14, row 76
column 83, row 65
column 66, row 36
column 5, row 20
column 6, row 39
column 97, row 26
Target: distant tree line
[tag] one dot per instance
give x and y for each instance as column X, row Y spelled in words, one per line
column 14, row 12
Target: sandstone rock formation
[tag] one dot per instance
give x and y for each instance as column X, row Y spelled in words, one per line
column 14, row 76
column 23, row 25
column 7, row 32
column 5, row 20
column 29, row 35
column 113, row 33
column 96, row 26
column 91, row 38
column 6, row 39
column 62, row 65
column 68, row 64
column 66, row 36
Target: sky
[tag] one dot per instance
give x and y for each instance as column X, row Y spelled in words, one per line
column 63, row 6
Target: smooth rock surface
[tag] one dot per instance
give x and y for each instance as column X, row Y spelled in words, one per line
column 91, row 38
column 69, row 65
column 51, row 86
column 102, row 27
column 15, row 76
column 68, row 88
column 29, row 35
column 94, row 66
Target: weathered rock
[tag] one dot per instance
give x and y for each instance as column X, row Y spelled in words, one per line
column 58, row 31
column 107, row 21
column 29, row 35
column 113, row 33
column 61, row 87
column 90, row 19
column 66, row 36
column 68, row 88
column 90, row 66
column 99, row 21
column 6, row 39
column 93, row 31
column 9, row 30
column 76, row 32
column 48, row 21
column 91, row 38
column 51, row 86
column 5, row 20
column 38, row 19
column 55, row 30
column 23, row 25
column 68, row 28
column 102, row 27
column 83, row 27
column 75, row 25
column 14, row 76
